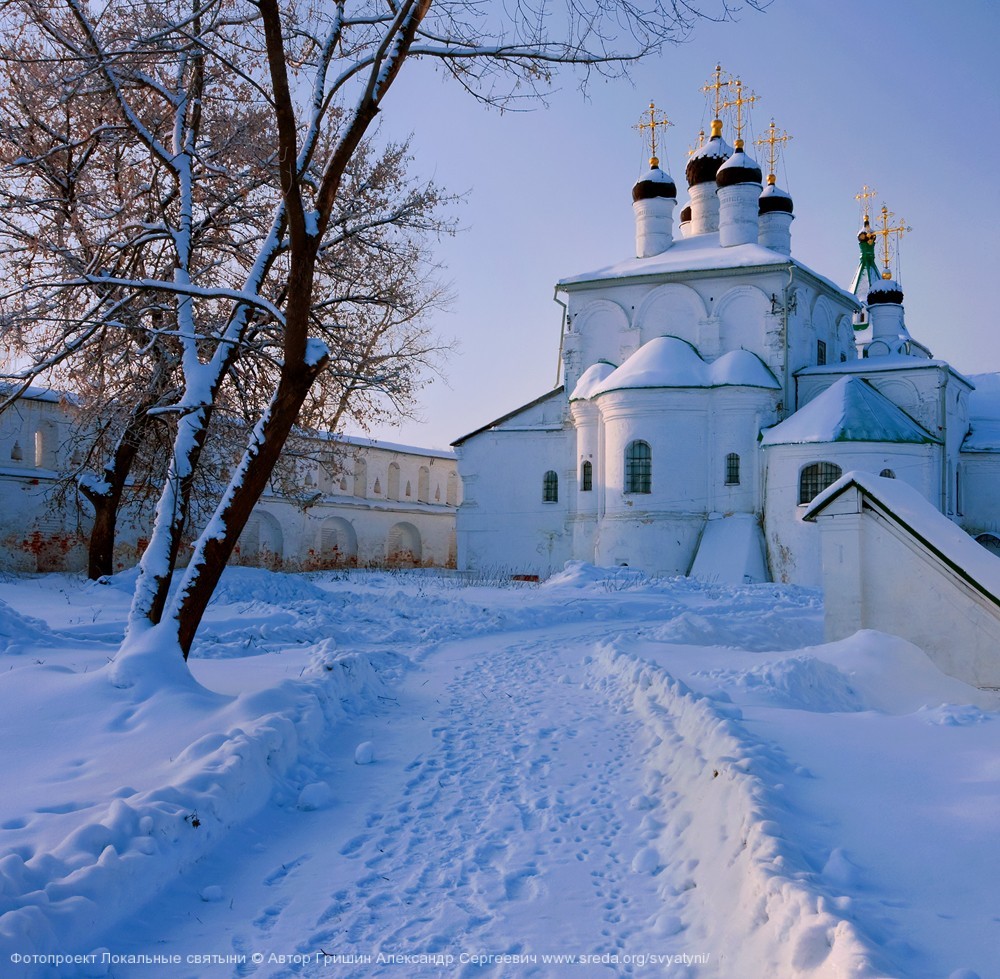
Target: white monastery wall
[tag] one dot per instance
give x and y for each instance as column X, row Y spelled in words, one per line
column 506, row 522
column 877, row 575
column 357, row 503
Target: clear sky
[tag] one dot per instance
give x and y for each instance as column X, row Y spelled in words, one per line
column 897, row 94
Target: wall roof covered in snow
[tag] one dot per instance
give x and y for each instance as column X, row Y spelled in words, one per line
column 904, row 503
column 984, row 415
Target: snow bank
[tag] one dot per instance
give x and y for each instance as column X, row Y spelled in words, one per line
column 92, row 864
column 759, row 898
column 17, row 629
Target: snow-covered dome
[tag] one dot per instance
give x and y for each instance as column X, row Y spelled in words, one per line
column 590, row 379
column 743, row 369
column 773, row 198
column 738, row 169
column 655, row 183
column 669, row 362
column 706, row 160
column 885, row 291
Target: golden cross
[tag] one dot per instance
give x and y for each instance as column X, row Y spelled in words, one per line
column 772, row 141
column 718, row 85
column 884, row 233
column 739, row 102
column 701, row 143
column 652, row 126
column 867, row 193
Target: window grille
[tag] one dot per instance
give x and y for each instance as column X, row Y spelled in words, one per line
column 815, row 478
column 638, row 468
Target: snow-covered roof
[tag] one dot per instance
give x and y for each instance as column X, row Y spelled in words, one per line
column 669, row 362
column 886, row 362
column 370, row 443
column 700, row 253
column 590, row 379
column 35, row 393
column 850, row 410
column 984, row 414
column 968, row 558
column 555, row 392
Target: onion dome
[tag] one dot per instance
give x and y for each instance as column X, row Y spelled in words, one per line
column 773, row 198
column 738, row 169
column 655, row 183
column 705, row 161
column 885, row 290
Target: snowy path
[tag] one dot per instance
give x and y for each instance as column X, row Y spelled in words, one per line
column 499, row 817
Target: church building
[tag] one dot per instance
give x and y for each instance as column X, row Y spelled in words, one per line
column 713, row 386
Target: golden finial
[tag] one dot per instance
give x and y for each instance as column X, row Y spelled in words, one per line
column 701, row 143
column 867, row 193
column 884, row 232
column 717, row 100
column 652, row 126
column 738, row 104
column 772, row 141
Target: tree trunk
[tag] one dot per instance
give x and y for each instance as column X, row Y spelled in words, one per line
column 101, row 550
column 217, row 542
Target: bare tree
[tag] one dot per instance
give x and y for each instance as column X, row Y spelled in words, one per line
column 315, row 74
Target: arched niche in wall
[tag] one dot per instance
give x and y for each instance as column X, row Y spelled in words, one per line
column 261, row 542
column 600, row 317
column 338, row 543
column 902, row 393
column 403, row 547
column 671, row 310
column 741, row 313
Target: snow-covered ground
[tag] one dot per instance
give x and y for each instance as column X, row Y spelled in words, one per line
column 410, row 775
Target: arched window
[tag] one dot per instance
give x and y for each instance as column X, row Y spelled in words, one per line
column 732, row 469
column 550, row 487
column 586, row 477
column 888, row 473
column 638, row 467
column 815, row 478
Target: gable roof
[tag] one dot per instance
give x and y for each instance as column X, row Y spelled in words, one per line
column 908, row 508
column 850, row 410
column 511, row 414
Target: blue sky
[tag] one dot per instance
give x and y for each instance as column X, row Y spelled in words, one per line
column 897, row 95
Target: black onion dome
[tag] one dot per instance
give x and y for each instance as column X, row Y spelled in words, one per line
column 774, row 199
column 705, row 163
column 656, row 183
column 738, row 169
column 885, row 291
column 685, row 213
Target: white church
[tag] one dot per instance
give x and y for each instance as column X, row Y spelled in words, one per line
column 714, row 386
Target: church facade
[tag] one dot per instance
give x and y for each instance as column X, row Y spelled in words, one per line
column 713, row 386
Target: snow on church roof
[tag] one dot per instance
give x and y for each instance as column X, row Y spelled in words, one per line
column 591, row 379
column 669, row 362
column 850, row 410
column 700, row 253
column 984, row 414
